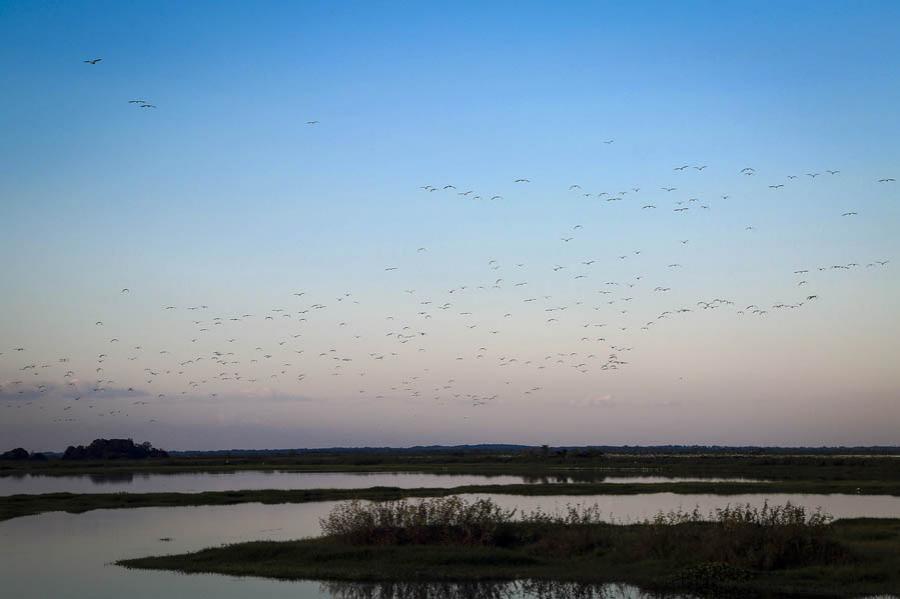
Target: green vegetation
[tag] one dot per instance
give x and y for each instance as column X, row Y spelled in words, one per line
column 781, row 550
column 552, row 465
column 14, row 506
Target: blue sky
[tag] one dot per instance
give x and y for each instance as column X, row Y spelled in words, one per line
column 224, row 196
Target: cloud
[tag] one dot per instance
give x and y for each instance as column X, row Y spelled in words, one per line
column 11, row 392
column 265, row 393
column 600, row 400
column 608, row 400
column 52, row 391
column 114, row 392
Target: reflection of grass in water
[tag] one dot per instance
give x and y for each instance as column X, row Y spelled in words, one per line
column 781, row 549
column 536, row 589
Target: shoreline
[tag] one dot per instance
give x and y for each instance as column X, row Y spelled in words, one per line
column 873, row 569
column 14, row 506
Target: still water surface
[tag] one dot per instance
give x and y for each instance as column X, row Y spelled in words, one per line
column 195, row 482
column 69, row 555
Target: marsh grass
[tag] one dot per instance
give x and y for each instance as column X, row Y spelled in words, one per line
column 736, row 537
column 736, row 552
column 816, row 472
column 448, row 519
column 439, row 520
column 744, row 536
column 443, row 520
column 14, row 506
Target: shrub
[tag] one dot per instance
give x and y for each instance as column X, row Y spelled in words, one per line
column 733, row 538
column 764, row 538
column 438, row 520
column 442, row 520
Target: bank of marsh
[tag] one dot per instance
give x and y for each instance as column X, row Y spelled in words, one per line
column 779, row 549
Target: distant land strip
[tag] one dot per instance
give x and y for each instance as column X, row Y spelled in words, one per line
column 14, row 506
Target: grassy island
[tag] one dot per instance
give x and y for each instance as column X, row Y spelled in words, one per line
column 771, row 551
column 581, row 465
column 15, row 506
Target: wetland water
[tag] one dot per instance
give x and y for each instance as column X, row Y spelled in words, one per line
column 70, row 555
column 196, row 482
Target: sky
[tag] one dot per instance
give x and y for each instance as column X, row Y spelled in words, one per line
column 274, row 259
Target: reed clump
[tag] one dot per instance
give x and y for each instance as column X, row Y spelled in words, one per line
column 739, row 537
column 767, row 537
column 443, row 520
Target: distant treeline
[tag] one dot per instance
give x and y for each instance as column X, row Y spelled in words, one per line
column 99, row 449
column 103, row 449
column 113, row 449
column 493, row 449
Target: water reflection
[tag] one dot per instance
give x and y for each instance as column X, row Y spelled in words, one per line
column 592, row 477
column 196, row 482
column 70, row 556
column 530, row 589
column 109, row 478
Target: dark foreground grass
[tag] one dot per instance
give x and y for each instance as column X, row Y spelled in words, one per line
column 14, row 506
column 778, row 551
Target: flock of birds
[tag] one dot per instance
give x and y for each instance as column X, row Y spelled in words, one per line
column 137, row 102
column 423, row 346
column 144, row 103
